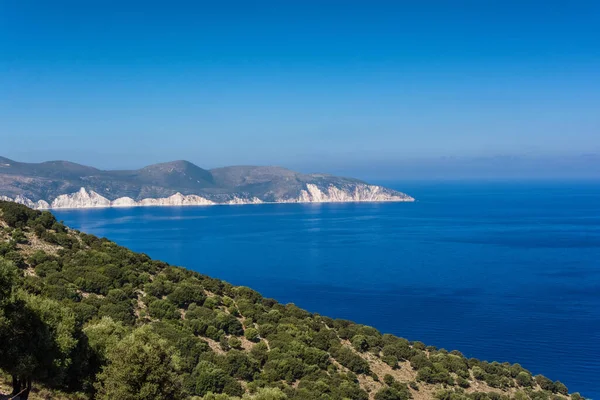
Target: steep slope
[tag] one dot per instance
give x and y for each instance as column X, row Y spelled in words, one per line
column 60, row 184
column 221, row 338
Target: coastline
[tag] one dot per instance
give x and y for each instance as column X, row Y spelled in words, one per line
column 313, row 195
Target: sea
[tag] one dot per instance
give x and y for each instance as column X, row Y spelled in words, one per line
column 506, row 271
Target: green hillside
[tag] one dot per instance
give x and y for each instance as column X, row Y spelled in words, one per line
column 81, row 317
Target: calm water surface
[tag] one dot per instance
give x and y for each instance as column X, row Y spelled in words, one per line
column 507, row 272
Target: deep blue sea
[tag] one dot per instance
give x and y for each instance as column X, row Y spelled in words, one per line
column 499, row 271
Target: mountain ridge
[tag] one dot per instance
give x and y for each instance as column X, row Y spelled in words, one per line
column 54, row 184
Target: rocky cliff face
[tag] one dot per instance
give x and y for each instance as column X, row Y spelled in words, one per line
column 312, row 194
column 359, row 193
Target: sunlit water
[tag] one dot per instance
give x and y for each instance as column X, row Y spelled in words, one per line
column 507, row 272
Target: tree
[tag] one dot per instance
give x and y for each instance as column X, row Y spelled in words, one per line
column 391, row 394
column 103, row 335
column 207, row 378
column 8, row 278
column 359, row 342
column 235, row 343
column 560, row 387
column 524, row 379
column 266, row 394
column 352, row 361
column 37, row 336
column 545, row 383
column 186, row 294
column 251, row 334
column 140, row 367
column 16, row 215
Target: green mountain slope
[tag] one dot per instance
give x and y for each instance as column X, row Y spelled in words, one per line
column 92, row 319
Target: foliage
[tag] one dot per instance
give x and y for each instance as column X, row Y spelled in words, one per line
column 141, row 366
column 37, row 335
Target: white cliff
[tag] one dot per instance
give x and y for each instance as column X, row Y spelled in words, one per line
column 361, row 193
column 124, row 202
column 81, row 199
column 312, row 194
column 177, row 199
column 239, row 201
column 38, row 205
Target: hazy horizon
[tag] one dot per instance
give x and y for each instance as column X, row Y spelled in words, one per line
column 374, row 90
column 579, row 167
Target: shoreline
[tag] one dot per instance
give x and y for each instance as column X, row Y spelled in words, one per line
column 89, row 200
column 412, row 200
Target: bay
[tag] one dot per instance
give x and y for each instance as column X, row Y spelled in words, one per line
column 500, row 271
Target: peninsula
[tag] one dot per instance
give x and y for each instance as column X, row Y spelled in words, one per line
column 63, row 184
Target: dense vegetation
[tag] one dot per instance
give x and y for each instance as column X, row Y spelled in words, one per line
column 92, row 319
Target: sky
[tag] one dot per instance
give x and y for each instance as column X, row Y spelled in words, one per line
column 373, row 89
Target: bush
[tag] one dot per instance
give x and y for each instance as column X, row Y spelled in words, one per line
column 16, row 215
column 251, row 334
column 524, row 379
column 559, row 387
column 420, row 361
column 391, row 361
column 235, row 343
column 186, row 294
column 163, row 309
column 352, row 361
column 390, row 394
column 19, row 237
column 388, row 379
column 437, row 374
column 545, row 383
column 360, row 343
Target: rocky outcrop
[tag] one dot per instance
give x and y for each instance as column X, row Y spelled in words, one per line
column 240, row 201
column 81, row 199
column 38, row 205
column 360, row 193
column 177, row 199
column 124, row 202
column 311, row 194
column 91, row 199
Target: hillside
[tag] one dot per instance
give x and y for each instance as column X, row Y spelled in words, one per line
column 62, row 184
column 86, row 317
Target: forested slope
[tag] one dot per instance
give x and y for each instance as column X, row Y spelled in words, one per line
column 86, row 317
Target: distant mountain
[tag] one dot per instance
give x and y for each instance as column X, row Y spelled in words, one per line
column 63, row 184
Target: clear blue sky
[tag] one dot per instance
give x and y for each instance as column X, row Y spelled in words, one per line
column 368, row 88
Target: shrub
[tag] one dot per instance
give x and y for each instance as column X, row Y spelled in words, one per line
column 186, row 294
column 251, row 334
column 163, row 309
column 19, row 237
column 392, row 361
column 235, row 343
column 352, row 361
column 420, row 361
column 390, row 394
column 545, row 383
column 388, row 379
column 16, row 215
column 559, row 387
column 360, row 343
column 524, row 379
